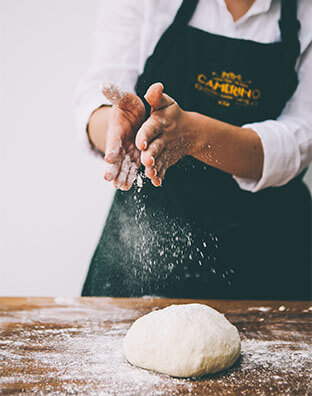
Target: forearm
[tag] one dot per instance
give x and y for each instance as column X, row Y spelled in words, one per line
column 97, row 127
column 235, row 150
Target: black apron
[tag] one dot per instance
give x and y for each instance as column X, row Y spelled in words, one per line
column 200, row 235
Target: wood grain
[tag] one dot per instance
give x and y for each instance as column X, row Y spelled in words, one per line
column 74, row 346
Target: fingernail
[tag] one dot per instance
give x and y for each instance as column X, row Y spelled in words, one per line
column 145, row 145
column 153, row 163
column 155, row 172
column 158, row 180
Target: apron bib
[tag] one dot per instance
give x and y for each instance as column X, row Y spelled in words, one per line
column 200, row 235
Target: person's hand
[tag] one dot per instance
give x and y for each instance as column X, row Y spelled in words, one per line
column 122, row 157
column 164, row 138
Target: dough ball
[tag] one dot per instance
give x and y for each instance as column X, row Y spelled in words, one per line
column 188, row 340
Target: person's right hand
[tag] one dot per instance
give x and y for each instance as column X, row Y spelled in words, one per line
column 122, row 158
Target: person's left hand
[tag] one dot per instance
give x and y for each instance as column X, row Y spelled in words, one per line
column 164, row 138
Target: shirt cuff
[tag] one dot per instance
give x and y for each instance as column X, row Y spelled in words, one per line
column 281, row 156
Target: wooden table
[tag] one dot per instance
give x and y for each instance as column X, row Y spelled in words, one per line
column 74, row 346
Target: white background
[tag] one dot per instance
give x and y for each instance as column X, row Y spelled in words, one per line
column 53, row 200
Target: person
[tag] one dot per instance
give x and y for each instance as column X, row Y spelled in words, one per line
column 205, row 125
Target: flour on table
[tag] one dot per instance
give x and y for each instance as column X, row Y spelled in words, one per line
column 261, row 309
column 72, row 347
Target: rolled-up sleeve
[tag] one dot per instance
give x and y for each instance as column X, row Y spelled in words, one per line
column 115, row 58
column 287, row 141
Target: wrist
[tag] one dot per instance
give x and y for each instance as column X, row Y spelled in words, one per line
column 96, row 128
column 192, row 130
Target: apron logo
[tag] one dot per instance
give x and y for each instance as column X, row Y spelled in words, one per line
column 228, row 88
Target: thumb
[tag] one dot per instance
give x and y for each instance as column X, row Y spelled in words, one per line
column 127, row 101
column 156, row 98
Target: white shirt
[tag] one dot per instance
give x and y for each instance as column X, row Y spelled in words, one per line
column 127, row 32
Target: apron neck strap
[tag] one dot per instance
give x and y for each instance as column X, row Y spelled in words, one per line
column 289, row 28
column 185, row 12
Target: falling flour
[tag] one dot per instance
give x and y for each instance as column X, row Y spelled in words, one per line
column 161, row 248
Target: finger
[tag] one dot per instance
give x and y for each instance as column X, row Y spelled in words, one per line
column 137, row 157
column 157, row 181
column 120, row 181
column 158, row 166
column 159, row 162
column 113, row 153
column 124, row 100
column 148, row 131
column 111, row 171
column 113, row 156
column 131, row 176
column 135, row 154
column 149, row 156
column 113, row 149
column 151, row 172
column 147, row 160
column 156, row 98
